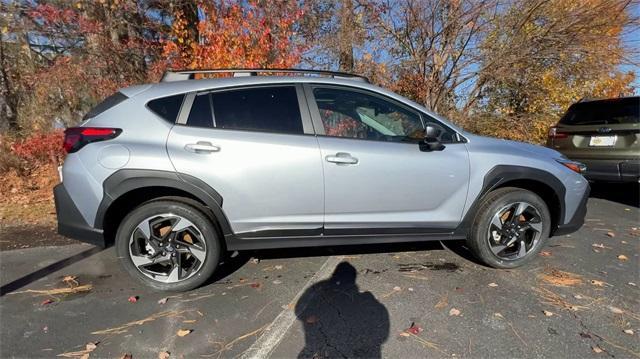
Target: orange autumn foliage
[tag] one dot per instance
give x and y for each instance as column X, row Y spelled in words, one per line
column 235, row 34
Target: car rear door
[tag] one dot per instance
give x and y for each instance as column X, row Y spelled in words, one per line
column 254, row 146
column 377, row 180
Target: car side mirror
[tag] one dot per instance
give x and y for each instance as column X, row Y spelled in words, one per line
column 431, row 141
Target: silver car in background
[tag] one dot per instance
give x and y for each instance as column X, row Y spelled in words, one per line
column 177, row 173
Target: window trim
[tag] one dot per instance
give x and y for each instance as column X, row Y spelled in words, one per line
column 305, row 116
column 319, row 126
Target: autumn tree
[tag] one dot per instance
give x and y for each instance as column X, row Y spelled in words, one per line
column 232, row 34
column 542, row 55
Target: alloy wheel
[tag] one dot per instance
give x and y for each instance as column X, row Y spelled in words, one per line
column 167, row 248
column 514, row 230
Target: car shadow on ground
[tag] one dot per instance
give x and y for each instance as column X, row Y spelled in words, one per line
column 624, row 193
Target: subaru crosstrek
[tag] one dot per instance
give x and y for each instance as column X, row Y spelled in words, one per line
column 175, row 174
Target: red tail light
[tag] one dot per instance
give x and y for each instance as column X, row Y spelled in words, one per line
column 553, row 133
column 77, row 137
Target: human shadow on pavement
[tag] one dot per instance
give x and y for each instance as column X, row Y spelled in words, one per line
column 339, row 320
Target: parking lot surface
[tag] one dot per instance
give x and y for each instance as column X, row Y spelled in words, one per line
column 580, row 298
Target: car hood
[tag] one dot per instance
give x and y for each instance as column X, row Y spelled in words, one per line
column 526, row 149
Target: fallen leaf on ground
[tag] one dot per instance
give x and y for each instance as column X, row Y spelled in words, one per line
column 545, row 253
column 454, row 312
column 597, row 283
column 255, row 260
column 628, row 331
column 493, row 285
column 189, row 321
column 599, row 245
column 397, row 289
column 312, row 319
column 611, row 234
column 278, row 267
column 622, row 257
column 126, row 356
column 615, row 310
column 46, row 302
column 596, row 349
column 277, row 281
column 410, row 289
column 164, row 355
column 443, row 302
column 255, row 285
column 632, row 284
column 414, row 329
column 163, row 301
column 577, row 296
column 498, row 315
column 547, row 313
column 184, row 332
column 133, row 299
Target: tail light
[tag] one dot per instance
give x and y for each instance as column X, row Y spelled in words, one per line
column 77, row 137
column 554, row 133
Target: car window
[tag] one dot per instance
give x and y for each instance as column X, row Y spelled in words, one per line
column 167, row 107
column 267, row 109
column 354, row 114
column 200, row 114
column 617, row 111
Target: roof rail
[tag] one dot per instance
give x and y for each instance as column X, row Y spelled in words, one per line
column 179, row 75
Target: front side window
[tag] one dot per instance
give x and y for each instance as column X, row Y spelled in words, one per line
column 355, row 114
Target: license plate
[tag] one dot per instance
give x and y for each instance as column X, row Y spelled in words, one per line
column 602, row 141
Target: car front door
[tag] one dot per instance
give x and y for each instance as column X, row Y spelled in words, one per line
column 256, row 148
column 377, row 180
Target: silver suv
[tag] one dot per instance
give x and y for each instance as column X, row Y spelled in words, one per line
column 175, row 174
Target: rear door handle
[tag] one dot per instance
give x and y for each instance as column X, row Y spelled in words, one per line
column 201, row 147
column 342, row 158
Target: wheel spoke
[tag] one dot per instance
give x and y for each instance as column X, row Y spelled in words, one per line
column 497, row 221
column 198, row 253
column 497, row 249
column 145, row 228
column 520, row 207
column 175, row 273
column 141, row 261
column 522, row 251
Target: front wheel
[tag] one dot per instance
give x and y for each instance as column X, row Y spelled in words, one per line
column 510, row 228
column 168, row 245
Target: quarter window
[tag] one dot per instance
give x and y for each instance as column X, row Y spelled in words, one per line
column 354, row 114
column 166, row 107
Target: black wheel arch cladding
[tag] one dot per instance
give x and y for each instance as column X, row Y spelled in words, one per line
column 125, row 181
column 502, row 175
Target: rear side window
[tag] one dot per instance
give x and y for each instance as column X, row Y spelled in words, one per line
column 108, row 103
column 608, row 112
column 267, row 109
column 166, row 107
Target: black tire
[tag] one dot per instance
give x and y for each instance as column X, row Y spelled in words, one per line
column 478, row 240
column 193, row 213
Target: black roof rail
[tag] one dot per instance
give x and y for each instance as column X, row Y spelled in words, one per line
column 180, row 75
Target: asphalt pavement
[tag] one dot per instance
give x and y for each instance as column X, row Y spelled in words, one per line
column 579, row 298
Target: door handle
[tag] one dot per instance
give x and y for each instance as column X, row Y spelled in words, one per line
column 201, row 147
column 342, row 158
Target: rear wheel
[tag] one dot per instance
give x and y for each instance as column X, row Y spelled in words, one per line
column 168, row 245
column 510, row 228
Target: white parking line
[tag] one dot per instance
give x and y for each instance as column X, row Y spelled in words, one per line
column 272, row 336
